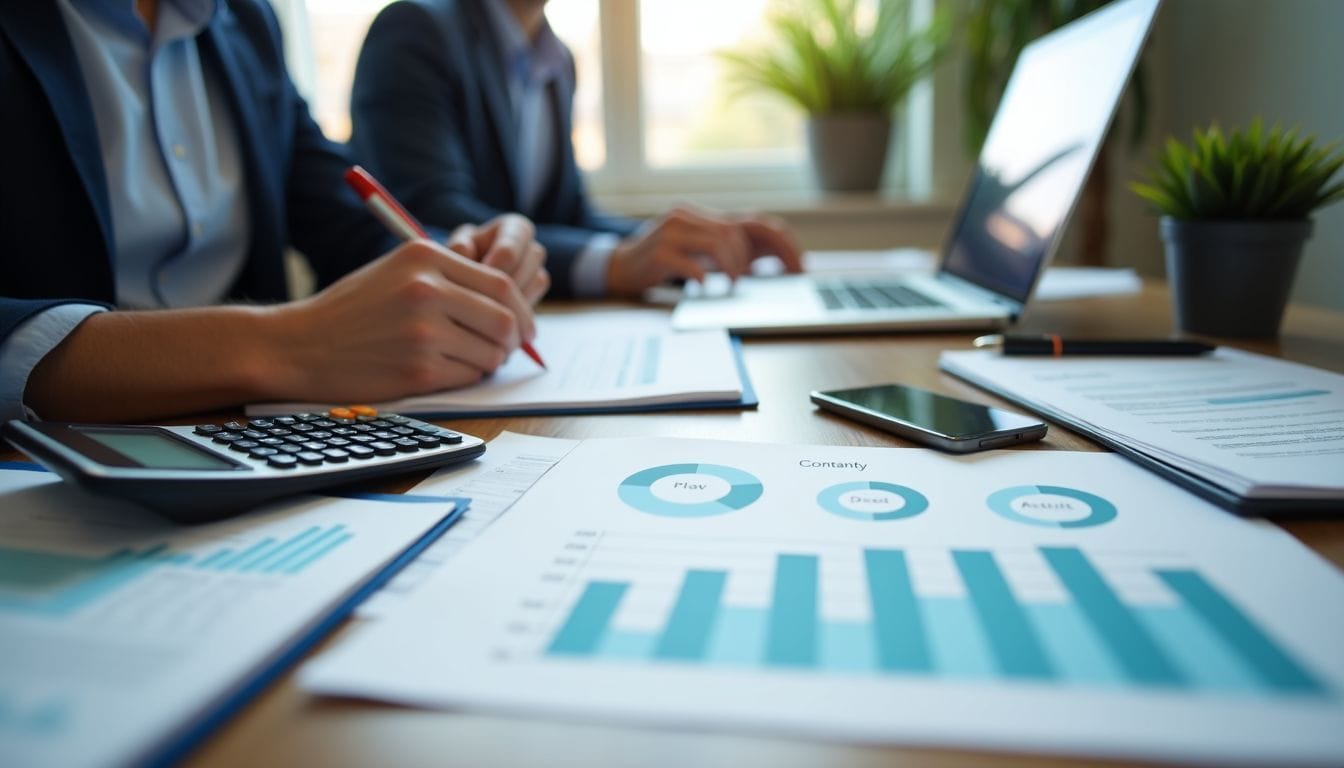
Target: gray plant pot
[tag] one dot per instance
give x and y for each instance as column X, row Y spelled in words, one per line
column 849, row 152
column 1232, row 278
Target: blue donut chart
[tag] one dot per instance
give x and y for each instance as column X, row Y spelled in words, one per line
column 829, row 499
column 637, row 490
column 1001, row 502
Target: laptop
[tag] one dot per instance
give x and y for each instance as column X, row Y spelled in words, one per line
column 1055, row 111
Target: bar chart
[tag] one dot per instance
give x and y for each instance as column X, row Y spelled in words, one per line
column 1050, row 615
column 277, row 555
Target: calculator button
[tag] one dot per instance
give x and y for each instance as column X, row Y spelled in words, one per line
column 224, row 438
column 428, row 441
column 303, row 426
column 362, row 428
column 313, row 445
column 310, row 457
column 282, row 461
column 364, row 410
column 289, row 448
column 363, row 439
column 243, row 445
column 338, row 442
column 336, row 455
column 384, row 434
column 341, row 413
column 272, row 441
column 235, row 426
column 253, row 434
column 449, row 436
column 323, row 423
column 406, row 445
column 319, row 434
column 296, row 439
column 343, row 431
column 427, row 429
column 262, row 451
column 307, row 417
column 261, row 423
column 209, row 429
column 279, row 431
column 383, row 448
column 342, row 422
column 362, row 452
column 380, row 423
column 403, row 431
column 395, row 418
column 286, row 421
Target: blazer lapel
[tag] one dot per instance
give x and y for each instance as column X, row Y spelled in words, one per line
column 495, row 89
column 37, row 31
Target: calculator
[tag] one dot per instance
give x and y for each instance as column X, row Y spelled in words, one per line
column 212, row 471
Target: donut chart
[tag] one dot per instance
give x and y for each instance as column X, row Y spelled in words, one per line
column 872, row 501
column 1042, row 505
column 679, row 490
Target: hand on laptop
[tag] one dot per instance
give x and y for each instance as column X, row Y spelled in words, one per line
column 680, row 244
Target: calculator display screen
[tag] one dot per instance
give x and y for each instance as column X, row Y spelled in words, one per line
column 156, row 450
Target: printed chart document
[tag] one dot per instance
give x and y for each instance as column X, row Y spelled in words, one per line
column 512, row 463
column 597, row 361
column 1259, row 427
column 123, row 637
column 1025, row 600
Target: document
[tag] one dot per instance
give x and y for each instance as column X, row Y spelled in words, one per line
column 1261, row 427
column 510, row 466
column 597, row 361
column 1025, row 600
column 123, row 637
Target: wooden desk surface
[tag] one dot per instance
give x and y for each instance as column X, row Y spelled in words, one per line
column 288, row 727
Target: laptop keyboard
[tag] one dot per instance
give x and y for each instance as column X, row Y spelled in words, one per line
column 872, row 295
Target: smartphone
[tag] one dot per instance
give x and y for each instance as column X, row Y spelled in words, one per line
column 932, row 419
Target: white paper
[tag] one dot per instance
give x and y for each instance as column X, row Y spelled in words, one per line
column 1059, row 283
column 510, row 465
column 105, row 662
column 1056, row 602
column 594, row 359
column 1257, row 425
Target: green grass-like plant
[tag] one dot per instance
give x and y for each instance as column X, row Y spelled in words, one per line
column 1255, row 174
column 842, row 56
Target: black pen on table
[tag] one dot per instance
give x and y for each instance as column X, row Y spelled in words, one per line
column 1053, row 345
column 397, row 219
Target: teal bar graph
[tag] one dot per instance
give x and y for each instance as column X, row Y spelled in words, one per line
column 1276, row 668
column 692, row 620
column 1085, row 636
column 283, row 556
column 792, row 639
column 55, row 584
column 897, row 623
column 1011, row 635
column 1130, row 643
column 587, row 623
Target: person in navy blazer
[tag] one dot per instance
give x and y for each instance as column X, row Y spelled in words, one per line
column 420, row 318
column 435, row 114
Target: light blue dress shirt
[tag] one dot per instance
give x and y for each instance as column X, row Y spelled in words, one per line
column 170, row 149
column 530, row 67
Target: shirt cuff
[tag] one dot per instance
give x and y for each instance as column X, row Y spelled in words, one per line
column 23, row 349
column 588, row 273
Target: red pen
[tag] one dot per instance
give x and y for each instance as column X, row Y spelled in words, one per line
column 398, row 220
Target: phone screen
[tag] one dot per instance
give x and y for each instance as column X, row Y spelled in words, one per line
column 932, row 411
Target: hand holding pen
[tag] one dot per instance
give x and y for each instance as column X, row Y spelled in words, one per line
column 524, row 266
column 1053, row 345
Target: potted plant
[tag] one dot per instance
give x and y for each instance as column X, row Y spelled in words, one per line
column 849, row 65
column 1235, row 214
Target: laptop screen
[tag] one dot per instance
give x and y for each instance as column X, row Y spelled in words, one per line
column 1053, row 116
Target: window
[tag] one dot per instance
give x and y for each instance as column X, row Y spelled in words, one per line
column 654, row 112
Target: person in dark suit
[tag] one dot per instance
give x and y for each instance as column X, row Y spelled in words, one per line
column 463, row 108
column 158, row 161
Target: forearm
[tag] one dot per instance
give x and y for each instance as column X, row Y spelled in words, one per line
column 131, row 366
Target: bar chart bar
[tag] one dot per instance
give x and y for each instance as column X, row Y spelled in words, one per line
column 897, row 624
column 1129, row 642
column 589, row 619
column 792, row 635
column 1261, row 654
column 1012, row 639
column 283, row 550
column 258, row 548
column 297, row 554
column 215, row 558
column 318, row 553
column 692, row 620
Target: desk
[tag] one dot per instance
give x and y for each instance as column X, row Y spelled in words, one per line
column 287, row 727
